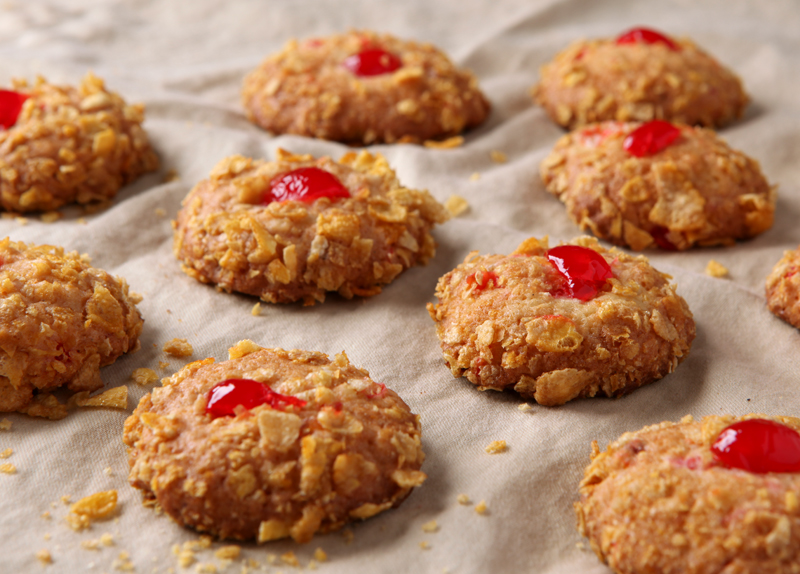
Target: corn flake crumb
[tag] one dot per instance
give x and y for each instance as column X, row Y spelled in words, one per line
column 475, row 176
column 8, row 468
column 498, row 156
column 66, row 498
column 160, row 212
column 430, row 526
column 290, row 559
column 22, row 220
column 272, row 559
column 185, row 558
column 108, row 471
column 425, row 545
column 206, row 568
column 116, row 398
column 171, row 175
column 178, row 348
column 256, row 310
column 5, row 424
column 525, row 407
column 50, row 217
column 107, row 540
column 90, row 544
column 6, row 453
column 481, row 507
column 320, row 555
column 456, row 205
column 144, row 376
column 716, row 269
column 47, row 536
column 348, row 536
column 312, row 564
column 463, row 499
column 230, row 552
column 496, row 447
column 44, row 556
column 81, row 221
column 449, row 143
column 96, row 506
column 123, row 563
column 46, row 515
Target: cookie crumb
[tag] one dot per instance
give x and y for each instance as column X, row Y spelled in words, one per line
column 8, row 468
column 144, row 376
column 96, row 506
column 525, row 407
column 123, row 563
column 348, row 536
column 230, row 552
column 66, row 498
column 49, row 217
column 44, row 556
column 163, row 365
column 178, row 348
column 425, row 545
column 185, row 558
column 475, row 176
column 170, row 176
column 81, row 221
column 496, row 447
column 90, row 544
column 116, row 398
column 481, row 507
column 449, row 143
column 290, row 559
column 160, row 212
column 456, row 205
column 6, row 453
column 106, row 539
column 22, row 220
column 463, row 499
column 256, row 310
column 46, row 515
column 320, row 555
column 498, row 156
column 430, row 526
column 5, row 424
column 716, row 269
column 206, row 568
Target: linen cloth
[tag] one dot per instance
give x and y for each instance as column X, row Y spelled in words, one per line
column 185, row 60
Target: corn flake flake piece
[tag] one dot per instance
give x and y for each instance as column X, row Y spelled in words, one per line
column 96, row 506
column 496, row 447
column 8, row 468
column 475, row 176
column 498, row 156
column 178, row 348
column 463, row 499
column 290, row 559
column 7, row 453
column 50, row 217
column 425, row 545
column 230, row 552
column 716, row 269
column 525, row 407
column 431, row 526
column 5, row 425
column 256, row 310
column 116, row 398
column 449, row 143
column 320, row 555
column 456, row 205
column 44, row 556
column 481, row 507
column 144, row 376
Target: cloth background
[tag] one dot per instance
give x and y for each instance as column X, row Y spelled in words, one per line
column 185, row 60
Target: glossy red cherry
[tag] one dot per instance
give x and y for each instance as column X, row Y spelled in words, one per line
column 224, row 397
column 759, row 446
column 584, row 269
column 10, row 107
column 646, row 36
column 372, row 62
column 305, row 184
column 650, row 138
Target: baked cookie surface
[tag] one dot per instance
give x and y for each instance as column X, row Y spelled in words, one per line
column 694, row 191
column 70, row 145
column 363, row 88
column 517, row 322
column 598, row 80
column 61, row 320
column 337, row 447
column 783, row 288
column 361, row 236
column 661, row 500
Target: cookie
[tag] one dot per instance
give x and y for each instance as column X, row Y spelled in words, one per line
column 295, row 228
column 642, row 75
column 658, row 184
column 363, row 88
column 783, row 288
column 68, row 145
column 697, row 497
column 558, row 324
column 273, row 443
column 61, row 320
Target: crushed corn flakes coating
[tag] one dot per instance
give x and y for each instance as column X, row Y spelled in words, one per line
column 144, row 376
column 71, row 145
column 658, row 500
column 178, row 347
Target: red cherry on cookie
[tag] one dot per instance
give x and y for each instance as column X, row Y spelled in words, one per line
column 305, row 184
column 650, row 138
column 372, row 62
column 224, row 397
column 584, row 269
column 646, row 36
column 759, row 446
column 10, row 107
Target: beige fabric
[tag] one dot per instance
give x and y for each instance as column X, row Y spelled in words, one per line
column 185, row 60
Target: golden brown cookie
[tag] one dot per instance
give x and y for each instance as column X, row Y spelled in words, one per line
column 70, row 145
column 273, row 443
column 658, row 184
column 783, row 288
column 294, row 228
column 697, row 497
column 640, row 76
column 363, row 88
column 558, row 324
column 60, row 321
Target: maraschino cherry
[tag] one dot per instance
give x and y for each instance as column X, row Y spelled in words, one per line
column 372, row 62
column 10, row 107
column 758, row 446
column 646, row 36
column 224, row 397
column 305, row 184
column 585, row 271
column 650, row 138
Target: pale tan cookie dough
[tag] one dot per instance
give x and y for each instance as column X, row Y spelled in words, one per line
column 304, row 89
column 71, row 145
column 695, row 192
column 351, row 452
column 61, row 320
column 513, row 334
column 657, row 501
column 598, row 80
column 290, row 250
column 783, row 288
